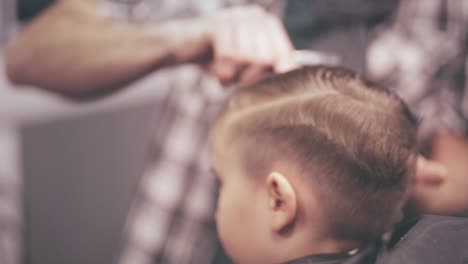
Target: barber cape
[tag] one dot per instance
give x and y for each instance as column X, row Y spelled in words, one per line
column 431, row 240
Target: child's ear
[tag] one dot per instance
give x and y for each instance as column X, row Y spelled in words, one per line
column 282, row 201
column 429, row 172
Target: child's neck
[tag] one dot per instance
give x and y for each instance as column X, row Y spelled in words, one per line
column 298, row 249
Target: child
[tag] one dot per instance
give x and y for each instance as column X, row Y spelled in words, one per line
column 315, row 161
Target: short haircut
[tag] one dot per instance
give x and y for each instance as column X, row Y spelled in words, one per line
column 353, row 138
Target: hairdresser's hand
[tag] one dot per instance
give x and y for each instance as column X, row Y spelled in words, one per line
column 429, row 172
column 248, row 42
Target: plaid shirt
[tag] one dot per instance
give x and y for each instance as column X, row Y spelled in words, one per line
column 422, row 54
column 172, row 217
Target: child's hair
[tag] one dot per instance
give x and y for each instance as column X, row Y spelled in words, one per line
column 354, row 139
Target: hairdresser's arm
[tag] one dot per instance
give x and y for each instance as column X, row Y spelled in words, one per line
column 71, row 49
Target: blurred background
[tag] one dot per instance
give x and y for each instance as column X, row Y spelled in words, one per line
column 82, row 178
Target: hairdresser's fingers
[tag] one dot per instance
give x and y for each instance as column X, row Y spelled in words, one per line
column 226, row 40
column 262, row 48
column 247, row 37
column 281, row 44
column 227, row 70
column 242, row 34
column 242, row 38
column 270, row 45
column 224, row 70
column 263, row 35
column 223, row 37
column 254, row 73
column 430, row 171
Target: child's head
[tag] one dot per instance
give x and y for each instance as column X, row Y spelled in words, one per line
column 316, row 160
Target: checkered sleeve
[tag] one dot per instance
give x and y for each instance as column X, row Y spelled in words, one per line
column 423, row 55
column 172, row 218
